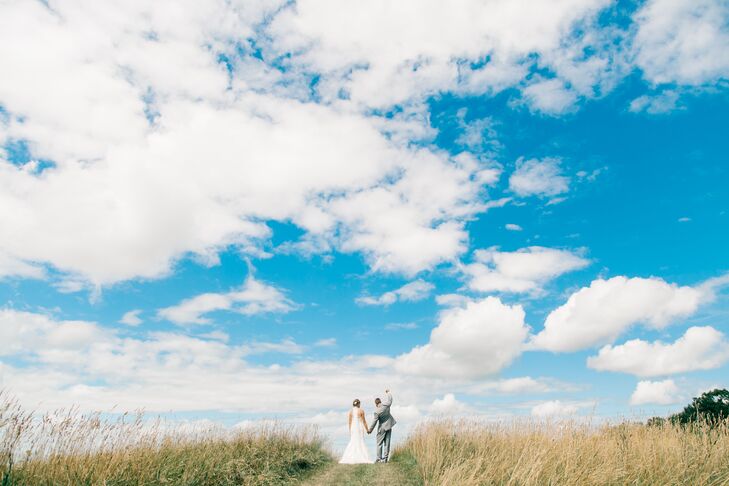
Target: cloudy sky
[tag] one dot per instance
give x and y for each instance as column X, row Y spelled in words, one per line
column 241, row 209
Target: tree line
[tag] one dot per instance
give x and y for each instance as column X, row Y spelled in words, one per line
column 711, row 407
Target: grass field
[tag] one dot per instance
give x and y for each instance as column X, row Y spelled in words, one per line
column 570, row 454
column 68, row 448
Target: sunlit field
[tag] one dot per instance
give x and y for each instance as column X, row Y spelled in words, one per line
column 70, row 448
column 67, row 447
column 570, row 454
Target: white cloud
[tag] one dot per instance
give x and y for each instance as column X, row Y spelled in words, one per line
column 131, row 318
column 396, row 326
column 253, row 297
column 395, row 221
column 61, row 363
column 70, row 285
column 513, row 227
column 590, row 176
column 655, row 392
column 535, row 177
column 554, row 408
column 478, row 135
column 601, row 312
column 663, row 102
column 448, row 405
column 523, row 270
column 121, row 101
column 451, row 300
column 683, row 41
column 684, row 219
column 285, row 346
column 160, row 154
column 524, row 384
column 404, row 61
column 519, row 385
column 549, row 96
column 709, row 287
column 700, row 348
column 12, row 267
column 326, row 343
column 410, row 292
column 464, row 336
column 23, row 331
column 120, row 98
column 416, row 222
column 216, row 335
column 82, row 364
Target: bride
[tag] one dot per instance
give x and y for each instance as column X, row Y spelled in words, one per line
column 356, row 451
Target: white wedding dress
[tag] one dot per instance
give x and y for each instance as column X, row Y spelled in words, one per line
column 356, row 451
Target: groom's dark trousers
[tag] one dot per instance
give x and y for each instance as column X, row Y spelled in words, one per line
column 383, row 444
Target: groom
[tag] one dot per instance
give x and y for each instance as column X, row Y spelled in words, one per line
column 384, row 430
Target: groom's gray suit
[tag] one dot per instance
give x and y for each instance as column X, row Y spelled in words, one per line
column 385, row 423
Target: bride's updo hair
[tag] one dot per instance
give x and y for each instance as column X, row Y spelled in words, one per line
column 355, row 403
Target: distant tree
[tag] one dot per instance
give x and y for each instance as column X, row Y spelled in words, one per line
column 711, row 407
column 655, row 421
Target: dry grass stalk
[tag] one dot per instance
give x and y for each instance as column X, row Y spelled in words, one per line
column 525, row 453
column 70, row 448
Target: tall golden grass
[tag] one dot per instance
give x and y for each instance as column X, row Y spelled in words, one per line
column 69, row 448
column 468, row 453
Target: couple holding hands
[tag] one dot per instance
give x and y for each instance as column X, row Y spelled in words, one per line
column 356, row 451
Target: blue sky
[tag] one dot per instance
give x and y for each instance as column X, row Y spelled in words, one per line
column 236, row 210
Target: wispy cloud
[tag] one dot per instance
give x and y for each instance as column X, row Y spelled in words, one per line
column 131, row 318
column 524, row 270
column 286, row 346
column 538, row 177
column 326, row 343
column 397, row 326
column 410, row 292
column 253, row 297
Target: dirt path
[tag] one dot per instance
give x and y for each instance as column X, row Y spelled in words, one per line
column 395, row 473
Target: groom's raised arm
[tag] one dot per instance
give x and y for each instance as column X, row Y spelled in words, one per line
column 387, row 401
